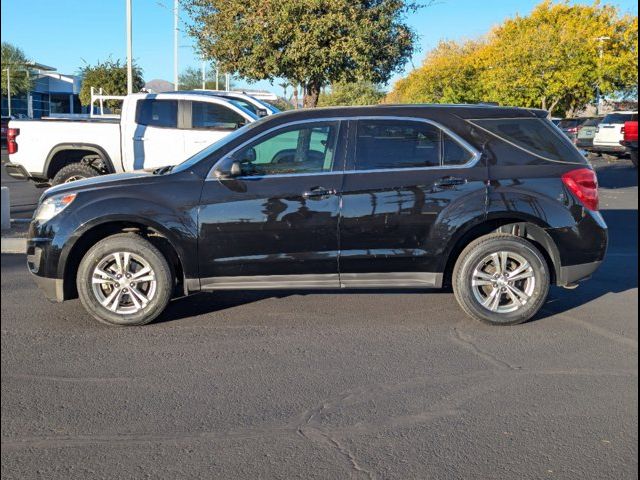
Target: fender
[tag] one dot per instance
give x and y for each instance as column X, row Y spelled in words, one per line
column 179, row 227
column 61, row 147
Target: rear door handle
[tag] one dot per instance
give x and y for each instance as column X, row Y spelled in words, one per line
column 317, row 192
column 450, row 182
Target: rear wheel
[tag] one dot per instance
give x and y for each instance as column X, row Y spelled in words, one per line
column 73, row 172
column 501, row 279
column 634, row 157
column 124, row 280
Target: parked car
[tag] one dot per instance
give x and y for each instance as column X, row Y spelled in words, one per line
column 555, row 120
column 630, row 141
column 254, row 105
column 610, row 133
column 153, row 130
column 361, row 197
column 4, row 124
column 587, row 132
column 571, row 126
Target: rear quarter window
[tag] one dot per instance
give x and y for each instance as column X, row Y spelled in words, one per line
column 536, row 136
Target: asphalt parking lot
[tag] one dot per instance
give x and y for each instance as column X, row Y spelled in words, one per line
column 371, row 384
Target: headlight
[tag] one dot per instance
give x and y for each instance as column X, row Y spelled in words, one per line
column 52, row 206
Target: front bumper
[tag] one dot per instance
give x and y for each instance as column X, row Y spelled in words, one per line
column 53, row 288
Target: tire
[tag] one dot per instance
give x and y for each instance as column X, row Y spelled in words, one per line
column 634, row 157
column 74, row 171
column 124, row 307
column 475, row 264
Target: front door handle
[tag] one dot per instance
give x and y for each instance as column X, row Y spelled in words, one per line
column 318, row 192
column 445, row 182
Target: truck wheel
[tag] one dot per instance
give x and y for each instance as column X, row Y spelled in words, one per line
column 501, row 279
column 634, row 157
column 124, row 280
column 72, row 172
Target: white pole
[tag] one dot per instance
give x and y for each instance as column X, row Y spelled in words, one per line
column 227, row 82
column 217, row 87
column 129, row 50
column 9, row 90
column 175, row 44
column 204, row 74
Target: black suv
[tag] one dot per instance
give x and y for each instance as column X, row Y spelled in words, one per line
column 493, row 201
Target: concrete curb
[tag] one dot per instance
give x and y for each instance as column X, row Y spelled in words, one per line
column 14, row 245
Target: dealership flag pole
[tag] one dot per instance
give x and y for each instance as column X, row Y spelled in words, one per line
column 175, row 44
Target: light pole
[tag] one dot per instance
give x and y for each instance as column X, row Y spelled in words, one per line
column 175, row 44
column 129, row 50
column 601, row 41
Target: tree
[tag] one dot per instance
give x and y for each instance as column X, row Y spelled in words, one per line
column 111, row 76
column 14, row 59
column 191, row 79
column 449, row 74
column 549, row 59
column 308, row 42
column 356, row 93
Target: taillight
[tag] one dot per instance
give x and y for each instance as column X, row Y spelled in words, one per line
column 583, row 183
column 572, row 130
column 12, row 144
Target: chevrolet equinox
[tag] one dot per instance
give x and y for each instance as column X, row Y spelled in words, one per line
column 493, row 201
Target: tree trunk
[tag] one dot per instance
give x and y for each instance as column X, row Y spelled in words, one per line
column 311, row 94
column 553, row 105
column 295, row 96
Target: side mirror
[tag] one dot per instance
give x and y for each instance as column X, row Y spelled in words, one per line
column 228, row 169
column 262, row 112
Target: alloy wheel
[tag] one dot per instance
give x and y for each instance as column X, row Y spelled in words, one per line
column 123, row 283
column 503, row 282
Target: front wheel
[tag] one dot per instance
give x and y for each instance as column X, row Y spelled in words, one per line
column 501, row 279
column 124, row 280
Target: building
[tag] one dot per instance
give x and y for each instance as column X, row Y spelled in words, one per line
column 52, row 93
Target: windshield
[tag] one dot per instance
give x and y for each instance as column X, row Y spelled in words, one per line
column 211, row 149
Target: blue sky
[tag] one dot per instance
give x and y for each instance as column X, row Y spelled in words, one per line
column 67, row 33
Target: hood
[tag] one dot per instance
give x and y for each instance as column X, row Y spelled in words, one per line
column 99, row 181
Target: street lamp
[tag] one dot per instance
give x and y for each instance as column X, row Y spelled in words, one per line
column 601, row 41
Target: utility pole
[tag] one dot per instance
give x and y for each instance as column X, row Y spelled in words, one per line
column 175, row 44
column 601, row 41
column 9, row 90
column 129, row 50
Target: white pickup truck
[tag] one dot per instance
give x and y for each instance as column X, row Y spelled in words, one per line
column 154, row 130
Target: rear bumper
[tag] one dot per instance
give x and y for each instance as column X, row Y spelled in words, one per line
column 576, row 273
column 608, row 148
column 17, row 171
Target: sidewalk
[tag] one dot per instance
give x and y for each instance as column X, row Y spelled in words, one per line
column 15, row 239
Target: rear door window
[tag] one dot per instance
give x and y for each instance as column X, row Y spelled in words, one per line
column 157, row 113
column 535, row 136
column 397, row 144
column 206, row 115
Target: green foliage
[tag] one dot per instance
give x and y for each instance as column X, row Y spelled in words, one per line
column 307, row 42
column 191, row 79
column 281, row 104
column 16, row 61
column 111, row 76
column 356, row 93
column 449, row 74
column 549, row 59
